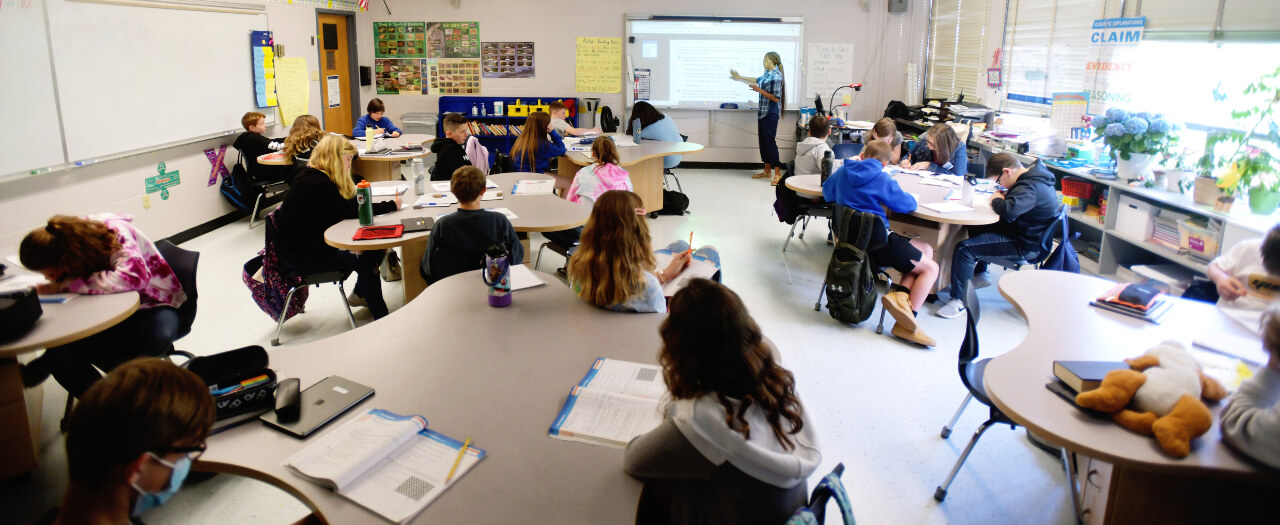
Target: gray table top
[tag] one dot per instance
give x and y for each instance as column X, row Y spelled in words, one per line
column 534, row 213
column 499, row 375
column 981, row 213
column 1062, row 326
column 646, row 149
column 73, row 320
column 390, row 142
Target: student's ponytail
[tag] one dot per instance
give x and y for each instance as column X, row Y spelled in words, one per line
column 782, row 77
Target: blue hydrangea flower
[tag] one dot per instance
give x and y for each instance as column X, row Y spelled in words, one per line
column 1136, row 125
column 1114, row 130
column 1160, row 126
column 1115, row 115
column 1144, row 115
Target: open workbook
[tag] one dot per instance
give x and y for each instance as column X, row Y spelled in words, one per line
column 390, row 464
column 614, row 402
column 699, row 268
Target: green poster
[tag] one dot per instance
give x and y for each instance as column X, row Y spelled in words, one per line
column 162, row 182
column 399, row 39
column 397, row 77
column 453, row 40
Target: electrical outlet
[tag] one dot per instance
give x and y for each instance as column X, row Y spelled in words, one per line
column 146, row 201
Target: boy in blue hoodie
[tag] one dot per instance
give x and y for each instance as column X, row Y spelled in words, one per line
column 375, row 119
column 864, row 186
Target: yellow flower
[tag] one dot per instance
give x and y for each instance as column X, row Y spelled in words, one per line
column 1229, row 176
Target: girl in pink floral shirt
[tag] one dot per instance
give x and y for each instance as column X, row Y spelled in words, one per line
column 97, row 255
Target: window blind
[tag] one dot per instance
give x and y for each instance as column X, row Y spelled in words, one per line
column 956, row 48
column 1255, row 20
column 1047, row 47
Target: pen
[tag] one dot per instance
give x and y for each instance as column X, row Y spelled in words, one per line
column 39, row 171
column 461, row 452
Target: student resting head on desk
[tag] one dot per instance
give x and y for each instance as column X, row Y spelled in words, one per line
column 1251, row 420
column 1026, row 208
column 864, row 186
column 131, row 441
column 940, row 152
column 655, row 126
column 885, row 130
column 96, row 255
column 303, row 137
column 459, row 240
column 375, row 119
column 735, row 445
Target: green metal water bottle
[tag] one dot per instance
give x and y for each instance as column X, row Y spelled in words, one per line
column 364, row 200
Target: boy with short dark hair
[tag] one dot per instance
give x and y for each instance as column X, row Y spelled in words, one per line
column 449, row 150
column 458, row 241
column 863, row 185
column 559, row 113
column 1251, row 420
column 253, row 144
column 375, row 119
column 811, row 150
column 1248, row 278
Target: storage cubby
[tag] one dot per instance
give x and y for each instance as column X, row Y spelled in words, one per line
column 499, row 132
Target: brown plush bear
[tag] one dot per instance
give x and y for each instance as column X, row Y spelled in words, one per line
column 1164, row 389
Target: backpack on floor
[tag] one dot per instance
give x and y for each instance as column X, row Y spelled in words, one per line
column 786, row 203
column 850, row 283
column 268, row 284
column 674, row 203
column 237, row 189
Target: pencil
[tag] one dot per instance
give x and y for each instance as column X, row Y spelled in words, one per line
column 456, row 462
column 690, row 250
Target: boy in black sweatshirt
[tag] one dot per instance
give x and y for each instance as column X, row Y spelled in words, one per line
column 252, row 144
column 449, row 150
column 458, row 241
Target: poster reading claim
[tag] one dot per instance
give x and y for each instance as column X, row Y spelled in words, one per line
column 1111, row 65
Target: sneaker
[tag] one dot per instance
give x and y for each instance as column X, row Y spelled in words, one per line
column 356, row 300
column 894, row 302
column 916, row 336
column 951, row 310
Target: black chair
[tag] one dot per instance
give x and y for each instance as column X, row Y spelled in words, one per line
column 305, row 280
column 1046, row 246
column 666, row 172
column 269, row 190
column 501, row 164
column 881, row 271
column 846, row 150
column 971, row 370
column 809, row 210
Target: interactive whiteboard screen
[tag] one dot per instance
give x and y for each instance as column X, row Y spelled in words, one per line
column 684, row 62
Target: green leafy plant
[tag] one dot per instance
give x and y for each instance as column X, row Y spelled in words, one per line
column 1249, row 165
column 1128, row 133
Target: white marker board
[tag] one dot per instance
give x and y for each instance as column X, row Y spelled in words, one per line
column 827, row 67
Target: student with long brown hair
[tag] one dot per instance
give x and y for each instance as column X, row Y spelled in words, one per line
column 940, row 152
column 303, row 137
column 614, row 266
column 321, row 195
column 735, row 446
column 589, row 184
column 131, row 441
column 537, row 144
column 96, row 255
column 885, row 130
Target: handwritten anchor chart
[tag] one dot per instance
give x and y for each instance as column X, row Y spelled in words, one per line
column 218, row 167
column 162, row 182
column 264, row 69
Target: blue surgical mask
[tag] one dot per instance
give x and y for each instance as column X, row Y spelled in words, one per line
column 148, row 500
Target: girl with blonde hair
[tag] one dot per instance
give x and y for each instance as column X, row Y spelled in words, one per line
column 321, row 195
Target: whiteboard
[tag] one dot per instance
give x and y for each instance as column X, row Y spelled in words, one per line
column 687, row 59
column 827, row 67
column 120, row 79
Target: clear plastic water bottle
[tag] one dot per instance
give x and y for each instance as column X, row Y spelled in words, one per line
column 497, row 275
column 364, row 202
column 419, row 176
column 966, row 189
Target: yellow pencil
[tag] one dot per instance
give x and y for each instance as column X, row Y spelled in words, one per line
column 690, row 250
column 456, row 462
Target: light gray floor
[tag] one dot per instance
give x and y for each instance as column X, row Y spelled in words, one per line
column 878, row 403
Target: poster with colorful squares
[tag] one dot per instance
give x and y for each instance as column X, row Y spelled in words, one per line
column 508, row 59
column 400, row 39
column 451, row 76
column 453, row 40
column 397, row 77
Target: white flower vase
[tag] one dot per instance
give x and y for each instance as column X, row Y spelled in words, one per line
column 1138, row 167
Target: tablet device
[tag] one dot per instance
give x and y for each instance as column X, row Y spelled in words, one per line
column 321, row 403
column 418, row 224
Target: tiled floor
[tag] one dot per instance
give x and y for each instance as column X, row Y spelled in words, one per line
column 878, row 403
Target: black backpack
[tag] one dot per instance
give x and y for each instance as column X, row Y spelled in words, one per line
column 674, row 203
column 786, row 203
column 237, row 188
column 850, row 282
column 608, row 122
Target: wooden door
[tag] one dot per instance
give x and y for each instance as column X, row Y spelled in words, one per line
column 335, row 73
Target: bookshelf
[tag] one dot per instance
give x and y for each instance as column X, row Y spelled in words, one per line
column 499, row 132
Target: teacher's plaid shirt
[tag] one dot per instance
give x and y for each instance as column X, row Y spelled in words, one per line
column 770, row 81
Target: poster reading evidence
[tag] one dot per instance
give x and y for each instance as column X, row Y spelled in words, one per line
column 507, row 59
column 400, row 39
column 1111, row 62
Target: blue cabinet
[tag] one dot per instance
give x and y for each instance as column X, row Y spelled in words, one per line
column 495, row 132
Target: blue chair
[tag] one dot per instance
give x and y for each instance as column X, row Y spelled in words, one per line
column 846, row 150
column 814, row 513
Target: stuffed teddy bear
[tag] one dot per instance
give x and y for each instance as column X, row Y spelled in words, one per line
column 1163, row 392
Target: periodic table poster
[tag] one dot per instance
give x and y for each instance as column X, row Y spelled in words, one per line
column 453, row 40
column 400, row 39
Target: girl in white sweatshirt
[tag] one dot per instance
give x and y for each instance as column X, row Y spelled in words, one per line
column 1251, row 421
column 735, row 446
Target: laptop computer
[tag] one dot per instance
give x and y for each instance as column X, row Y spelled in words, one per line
column 418, row 224
column 321, row 403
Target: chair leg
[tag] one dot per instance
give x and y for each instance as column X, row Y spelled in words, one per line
column 350, row 316
column 66, row 414
column 790, row 234
column 537, row 261
column 941, row 492
column 280, row 324
column 253, row 218
column 946, row 430
column 817, row 306
column 679, row 188
column 1071, row 481
column 880, row 326
column 804, row 227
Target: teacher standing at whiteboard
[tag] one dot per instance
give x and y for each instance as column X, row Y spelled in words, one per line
column 773, row 91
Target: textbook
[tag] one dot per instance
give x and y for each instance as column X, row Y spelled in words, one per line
column 699, row 268
column 1083, row 376
column 615, row 402
column 533, row 187
column 390, row 464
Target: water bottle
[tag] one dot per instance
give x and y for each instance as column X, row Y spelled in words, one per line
column 497, row 275
column 828, row 164
column 966, row 190
column 364, row 201
column 419, row 177
column 474, row 110
column 635, row 130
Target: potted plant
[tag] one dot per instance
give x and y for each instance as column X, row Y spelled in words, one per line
column 1250, row 168
column 1135, row 140
column 1178, row 170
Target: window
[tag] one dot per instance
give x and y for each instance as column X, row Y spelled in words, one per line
column 956, row 48
column 1047, row 46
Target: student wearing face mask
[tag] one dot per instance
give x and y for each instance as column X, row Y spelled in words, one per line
column 131, row 441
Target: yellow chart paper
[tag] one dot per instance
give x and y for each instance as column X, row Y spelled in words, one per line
column 293, row 88
column 599, row 67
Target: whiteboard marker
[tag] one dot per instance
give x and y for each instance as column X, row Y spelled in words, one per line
column 39, row 171
column 85, row 162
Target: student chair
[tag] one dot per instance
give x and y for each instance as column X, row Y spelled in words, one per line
column 317, row 279
column 184, row 264
column 1046, row 246
column 881, row 271
column 809, row 209
column 846, row 150
column 830, row 488
column 501, row 164
column 666, row 172
column 553, row 246
column 971, row 371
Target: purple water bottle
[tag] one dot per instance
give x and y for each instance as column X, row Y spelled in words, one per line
column 497, row 274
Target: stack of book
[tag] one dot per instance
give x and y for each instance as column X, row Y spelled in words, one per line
column 1165, row 232
column 1135, row 300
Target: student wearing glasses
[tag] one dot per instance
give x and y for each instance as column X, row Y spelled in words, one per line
column 131, row 441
